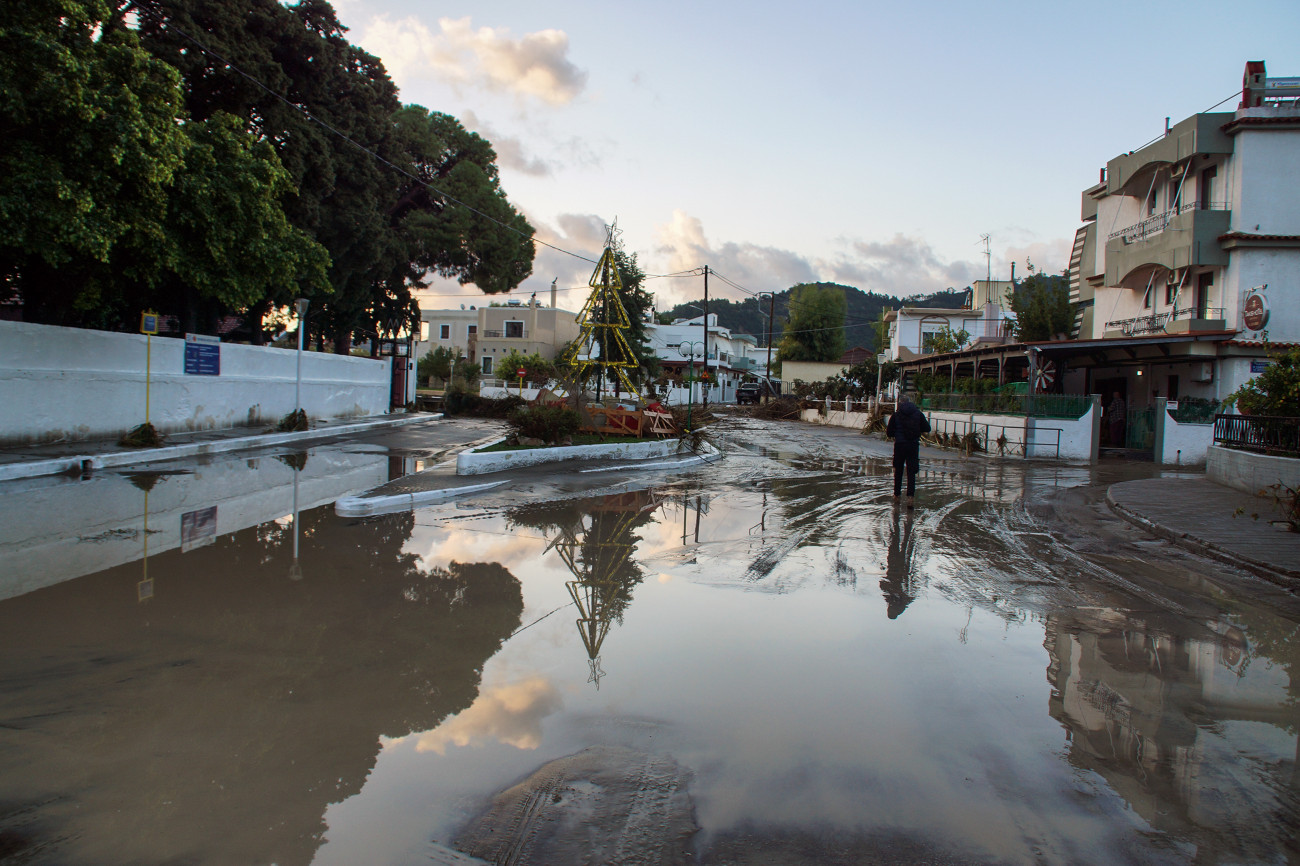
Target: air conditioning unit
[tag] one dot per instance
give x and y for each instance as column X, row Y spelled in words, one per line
column 1203, row 372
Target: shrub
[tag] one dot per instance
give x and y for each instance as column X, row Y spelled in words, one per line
column 547, row 423
column 1276, row 391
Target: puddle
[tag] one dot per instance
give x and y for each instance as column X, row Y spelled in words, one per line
column 758, row 661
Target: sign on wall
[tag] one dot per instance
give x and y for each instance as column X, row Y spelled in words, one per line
column 202, row 355
column 1254, row 311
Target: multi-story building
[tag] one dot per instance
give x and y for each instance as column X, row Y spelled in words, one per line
column 730, row 357
column 1188, row 262
column 484, row 334
column 986, row 320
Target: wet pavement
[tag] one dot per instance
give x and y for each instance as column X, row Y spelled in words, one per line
column 760, row 660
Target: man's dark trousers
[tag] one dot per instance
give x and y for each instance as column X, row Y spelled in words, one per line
column 907, row 455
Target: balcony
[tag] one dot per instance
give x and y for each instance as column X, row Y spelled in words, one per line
column 1130, row 174
column 1178, row 238
column 507, row 334
column 1171, row 322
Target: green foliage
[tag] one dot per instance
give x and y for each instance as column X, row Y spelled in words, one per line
column 1042, row 307
column 1276, row 391
column 462, row 400
column 815, row 331
column 436, row 364
column 865, row 310
column 537, row 368
column 947, row 340
column 547, row 423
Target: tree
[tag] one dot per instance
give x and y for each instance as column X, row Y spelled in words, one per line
column 89, row 145
column 815, row 331
column 1276, row 391
column 1042, row 307
column 947, row 340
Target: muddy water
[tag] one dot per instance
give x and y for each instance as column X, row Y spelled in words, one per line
column 761, row 661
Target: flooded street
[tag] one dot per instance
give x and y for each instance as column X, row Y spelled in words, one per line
column 761, row 660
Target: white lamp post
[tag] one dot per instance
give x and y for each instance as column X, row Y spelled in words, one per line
column 301, row 306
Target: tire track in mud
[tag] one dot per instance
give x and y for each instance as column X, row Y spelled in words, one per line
column 606, row 804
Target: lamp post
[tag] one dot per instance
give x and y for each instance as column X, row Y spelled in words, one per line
column 880, row 368
column 300, row 306
column 688, row 349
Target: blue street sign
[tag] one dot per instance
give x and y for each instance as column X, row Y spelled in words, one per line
column 202, row 355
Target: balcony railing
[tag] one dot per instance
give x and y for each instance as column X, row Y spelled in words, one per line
column 1157, row 322
column 1260, row 433
column 1154, row 225
column 520, row 334
column 1031, row 405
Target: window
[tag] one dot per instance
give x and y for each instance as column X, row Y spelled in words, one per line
column 515, row 330
column 471, row 330
column 1206, row 191
column 1171, row 293
column 1151, row 202
column 444, row 332
column 487, row 365
column 424, row 332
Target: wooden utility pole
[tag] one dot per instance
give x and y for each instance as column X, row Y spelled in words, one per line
column 704, row 388
column 771, row 329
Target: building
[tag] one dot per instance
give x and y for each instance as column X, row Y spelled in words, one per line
column 730, row 357
column 1188, row 262
column 484, row 334
column 987, row 320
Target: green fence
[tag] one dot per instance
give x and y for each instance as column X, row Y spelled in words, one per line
column 1071, row 406
column 1140, row 432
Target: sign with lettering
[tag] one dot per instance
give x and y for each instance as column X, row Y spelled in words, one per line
column 149, row 323
column 198, row 527
column 1258, row 367
column 1254, row 311
column 202, row 355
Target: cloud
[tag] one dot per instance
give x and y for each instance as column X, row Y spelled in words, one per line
column 511, row 714
column 758, row 268
column 535, row 64
column 900, row 266
column 510, row 150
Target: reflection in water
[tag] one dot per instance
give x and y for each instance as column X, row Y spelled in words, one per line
column 897, row 584
column 594, row 538
column 216, row 722
column 1157, row 713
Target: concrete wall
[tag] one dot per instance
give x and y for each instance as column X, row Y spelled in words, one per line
column 1181, row 444
column 69, row 383
column 1252, row 473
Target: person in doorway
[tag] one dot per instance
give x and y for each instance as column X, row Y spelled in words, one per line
column 1118, row 412
column 905, row 427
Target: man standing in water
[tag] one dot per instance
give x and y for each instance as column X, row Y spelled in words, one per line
column 905, row 427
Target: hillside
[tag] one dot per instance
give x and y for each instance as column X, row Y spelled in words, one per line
column 864, row 308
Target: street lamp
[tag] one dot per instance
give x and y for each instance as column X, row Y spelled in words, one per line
column 689, row 349
column 300, row 306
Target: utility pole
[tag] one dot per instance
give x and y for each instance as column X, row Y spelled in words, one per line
column 771, row 329
column 704, row 389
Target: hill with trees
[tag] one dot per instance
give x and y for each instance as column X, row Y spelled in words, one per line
column 863, row 310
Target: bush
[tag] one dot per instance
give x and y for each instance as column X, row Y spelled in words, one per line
column 1276, row 391
column 547, row 423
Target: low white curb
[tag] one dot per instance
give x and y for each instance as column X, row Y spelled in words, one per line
column 473, row 462
column 368, row 506
column 711, row 454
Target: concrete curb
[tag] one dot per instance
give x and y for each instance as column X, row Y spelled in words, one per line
column 694, row 460
column 369, row 506
column 86, row 462
column 472, row 462
column 1285, row 578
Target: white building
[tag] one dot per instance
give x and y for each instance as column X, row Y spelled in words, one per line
column 731, row 357
column 1189, row 258
column 485, row 334
column 987, row 320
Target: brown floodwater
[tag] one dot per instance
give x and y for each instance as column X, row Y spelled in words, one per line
column 760, row 660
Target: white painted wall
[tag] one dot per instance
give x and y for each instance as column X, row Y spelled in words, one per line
column 1186, row 444
column 68, row 383
column 1250, row 472
column 1264, row 199
column 1280, row 270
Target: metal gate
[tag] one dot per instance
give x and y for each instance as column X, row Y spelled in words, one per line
column 1140, row 432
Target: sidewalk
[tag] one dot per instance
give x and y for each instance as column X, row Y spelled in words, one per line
column 34, row 460
column 1199, row 514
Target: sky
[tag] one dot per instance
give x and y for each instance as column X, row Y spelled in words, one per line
column 867, row 143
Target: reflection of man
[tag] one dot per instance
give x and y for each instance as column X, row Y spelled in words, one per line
column 897, row 583
column 905, row 427
column 1117, row 412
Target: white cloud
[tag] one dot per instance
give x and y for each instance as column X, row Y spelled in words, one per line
column 511, row 714
column 535, row 64
column 758, row 268
column 510, row 150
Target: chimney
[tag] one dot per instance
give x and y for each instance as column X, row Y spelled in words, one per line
column 553, row 292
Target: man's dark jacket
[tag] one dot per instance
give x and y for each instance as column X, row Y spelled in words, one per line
column 906, row 426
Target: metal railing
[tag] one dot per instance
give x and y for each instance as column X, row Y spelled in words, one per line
column 955, row 433
column 1157, row 223
column 1265, row 434
column 520, row 334
column 1157, row 322
column 1072, row 406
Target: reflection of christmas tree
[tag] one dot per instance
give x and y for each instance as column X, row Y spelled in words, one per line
column 595, row 540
